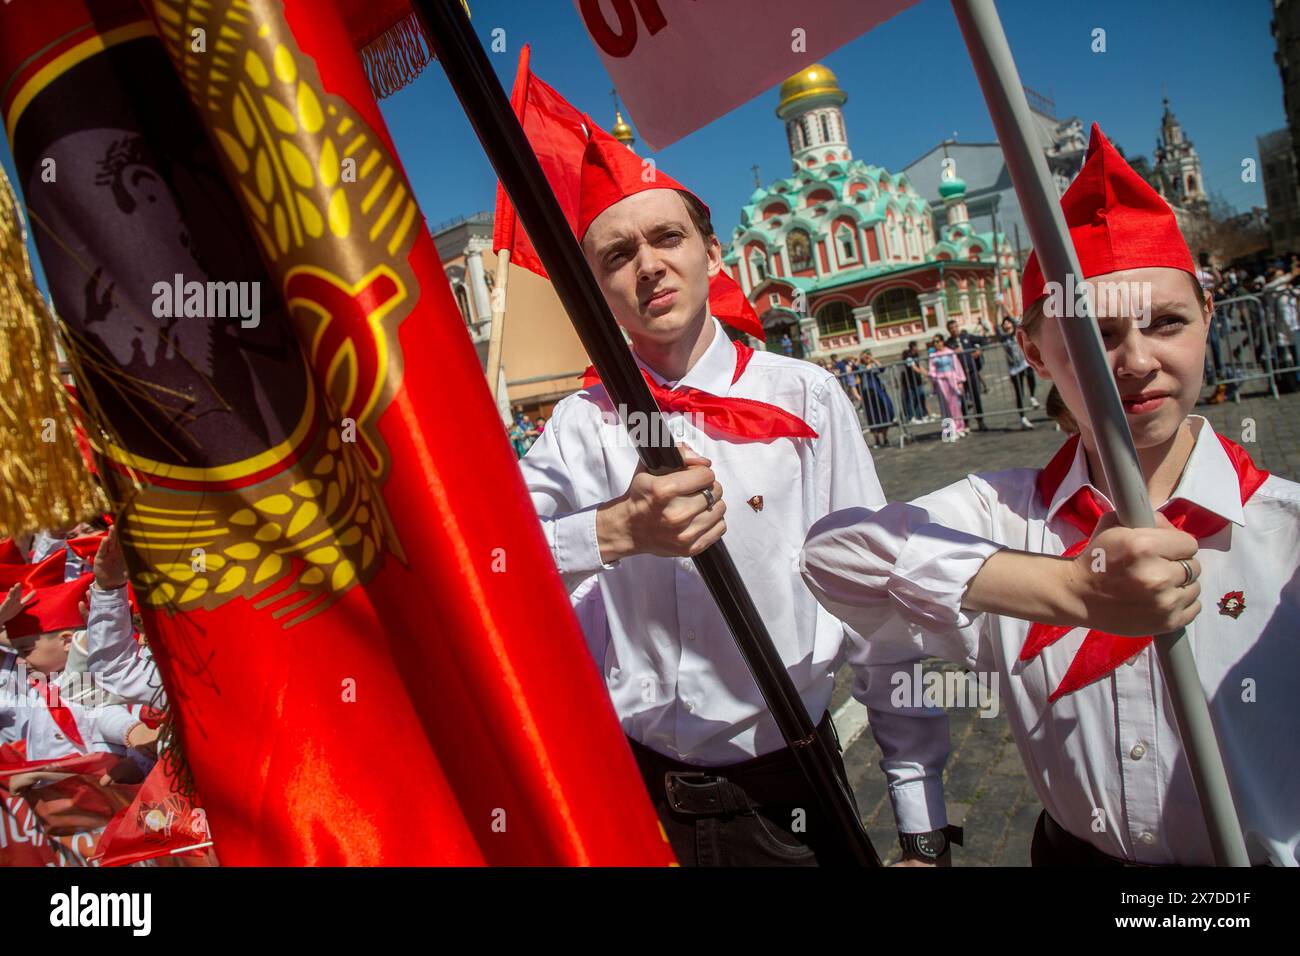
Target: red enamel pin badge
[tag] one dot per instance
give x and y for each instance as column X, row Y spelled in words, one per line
column 1232, row 604
column 756, row 502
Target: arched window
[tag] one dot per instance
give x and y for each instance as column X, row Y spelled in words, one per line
column 952, row 298
column 758, row 263
column 835, row 318
column 826, row 130
column 799, row 249
column 895, row 239
column 894, row 306
column 848, row 248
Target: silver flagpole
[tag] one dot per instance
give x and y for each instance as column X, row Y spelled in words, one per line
column 1000, row 81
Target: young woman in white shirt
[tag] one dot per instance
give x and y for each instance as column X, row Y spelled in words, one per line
column 963, row 572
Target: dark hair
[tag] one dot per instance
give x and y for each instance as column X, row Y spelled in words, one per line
column 699, row 214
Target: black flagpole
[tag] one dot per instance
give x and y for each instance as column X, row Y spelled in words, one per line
column 449, row 33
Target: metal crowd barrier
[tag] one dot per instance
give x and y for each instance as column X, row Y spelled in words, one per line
column 1249, row 341
column 988, row 397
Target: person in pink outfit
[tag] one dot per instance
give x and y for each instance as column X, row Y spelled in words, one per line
column 948, row 376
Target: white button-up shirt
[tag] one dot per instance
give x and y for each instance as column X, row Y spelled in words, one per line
column 678, row 683
column 118, row 662
column 103, row 727
column 1105, row 760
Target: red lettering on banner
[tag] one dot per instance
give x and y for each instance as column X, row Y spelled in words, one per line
column 623, row 42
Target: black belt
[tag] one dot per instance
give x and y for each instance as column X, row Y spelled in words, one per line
column 773, row 779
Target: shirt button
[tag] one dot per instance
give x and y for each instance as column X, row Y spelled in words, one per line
column 690, row 635
column 1138, row 752
column 1147, row 837
column 687, row 564
column 690, row 705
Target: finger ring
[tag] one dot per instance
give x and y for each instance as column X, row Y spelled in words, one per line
column 708, row 496
column 1187, row 570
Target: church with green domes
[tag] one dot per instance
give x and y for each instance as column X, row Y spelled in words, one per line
column 843, row 256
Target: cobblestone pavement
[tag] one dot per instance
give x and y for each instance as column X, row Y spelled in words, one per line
column 985, row 784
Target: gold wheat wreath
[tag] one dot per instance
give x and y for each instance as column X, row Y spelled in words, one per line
column 324, row 197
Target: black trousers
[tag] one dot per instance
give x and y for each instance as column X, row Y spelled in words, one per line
column 972, row 406
column 1053, row 845
column 760, row 812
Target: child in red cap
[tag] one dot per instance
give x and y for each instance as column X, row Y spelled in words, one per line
column 56, row 714
column 1026, row 573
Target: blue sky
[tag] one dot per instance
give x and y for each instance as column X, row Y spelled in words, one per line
column 909, row 85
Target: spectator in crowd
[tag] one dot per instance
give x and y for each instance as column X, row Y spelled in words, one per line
column 787, row 346
column 1281, row 296
column 845, row 369
column 949, row 376
column 912, row 378
column 518, row 438
column 1017, row 369
column 876, row 403
column 1211, row 280
column 967, row 348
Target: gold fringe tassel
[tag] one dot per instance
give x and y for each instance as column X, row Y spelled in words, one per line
column 396, row 56
column 44, row 481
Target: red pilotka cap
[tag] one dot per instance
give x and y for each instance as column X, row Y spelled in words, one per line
column 1116, row 221
column 610, row 172
column 39, row 575
column 53, row 609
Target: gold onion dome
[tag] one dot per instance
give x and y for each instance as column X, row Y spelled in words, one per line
column 621, row 131
column 815, row 80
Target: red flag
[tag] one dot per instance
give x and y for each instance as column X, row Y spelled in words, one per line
column 72, row 808
column 561, row 136
column 557, row 132
column 22, row 841
column 160, row 822
column 329, row 565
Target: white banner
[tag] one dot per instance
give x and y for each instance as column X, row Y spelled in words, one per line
column 680, row 64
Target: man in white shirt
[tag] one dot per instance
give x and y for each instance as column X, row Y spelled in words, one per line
column 771, row 444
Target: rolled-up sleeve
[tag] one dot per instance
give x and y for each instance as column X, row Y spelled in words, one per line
column 868, row 565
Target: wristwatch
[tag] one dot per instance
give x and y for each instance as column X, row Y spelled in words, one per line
column 931, row 845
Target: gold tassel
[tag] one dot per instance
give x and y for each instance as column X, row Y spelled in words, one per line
column 44, row 481
column 395, row 58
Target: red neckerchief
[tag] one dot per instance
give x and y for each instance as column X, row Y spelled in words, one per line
column 1100, row 652
column 743, row 418
column 49, row 693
